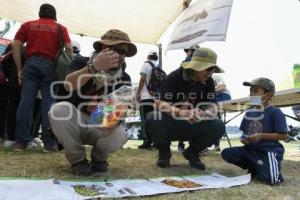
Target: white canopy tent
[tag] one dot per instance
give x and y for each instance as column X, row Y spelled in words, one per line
column 143, row 20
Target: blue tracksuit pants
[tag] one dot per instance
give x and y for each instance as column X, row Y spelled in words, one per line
column 263, row 165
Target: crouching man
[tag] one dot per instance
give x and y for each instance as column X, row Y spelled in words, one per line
column 187, row 110
column 70, row 121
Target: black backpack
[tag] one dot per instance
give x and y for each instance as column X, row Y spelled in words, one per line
column 157, row 76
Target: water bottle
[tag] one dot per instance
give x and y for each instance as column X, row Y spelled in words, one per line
column 296, row 75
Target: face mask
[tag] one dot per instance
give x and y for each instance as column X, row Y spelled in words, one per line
column 255, row 100
column 155, row 62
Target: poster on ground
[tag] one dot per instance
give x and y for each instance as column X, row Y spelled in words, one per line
column 53, row 189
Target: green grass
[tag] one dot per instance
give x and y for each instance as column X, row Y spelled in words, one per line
column 130, row 163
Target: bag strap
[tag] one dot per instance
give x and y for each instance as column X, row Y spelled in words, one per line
column 147, row 85
column 60, row 39
column 152, row 65
column 60, row 46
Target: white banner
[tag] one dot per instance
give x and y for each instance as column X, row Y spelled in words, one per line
column 205, row 20
column 71, row 190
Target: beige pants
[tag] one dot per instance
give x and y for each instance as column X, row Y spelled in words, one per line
column 70, row 127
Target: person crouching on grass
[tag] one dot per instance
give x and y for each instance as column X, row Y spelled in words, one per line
column 262, row 128
column 187, row 107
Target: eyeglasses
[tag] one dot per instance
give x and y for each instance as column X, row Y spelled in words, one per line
column 119, row 49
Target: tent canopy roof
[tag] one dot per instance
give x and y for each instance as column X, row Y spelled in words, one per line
column 143, row 20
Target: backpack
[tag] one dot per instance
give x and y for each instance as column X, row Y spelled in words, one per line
column 157, row 76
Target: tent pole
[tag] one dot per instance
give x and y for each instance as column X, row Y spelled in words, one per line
column 159, row 54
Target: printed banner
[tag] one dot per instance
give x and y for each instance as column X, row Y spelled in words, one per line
column 205, row 20
column 71, row 190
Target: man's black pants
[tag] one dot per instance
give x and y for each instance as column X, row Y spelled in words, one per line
column 164, row 129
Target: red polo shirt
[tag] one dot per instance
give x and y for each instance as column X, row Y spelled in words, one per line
column 41, row 37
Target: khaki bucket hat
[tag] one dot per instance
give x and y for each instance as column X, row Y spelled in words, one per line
column 114, row 37
column 202, row 59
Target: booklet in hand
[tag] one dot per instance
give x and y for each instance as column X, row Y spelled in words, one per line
column 112, row 108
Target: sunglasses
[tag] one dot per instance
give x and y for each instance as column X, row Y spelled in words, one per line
column 119, row 49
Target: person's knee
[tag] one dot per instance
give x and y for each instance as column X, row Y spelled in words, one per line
column 61, row 111
column 226, row 154
column 114, row 141
column 232, row 155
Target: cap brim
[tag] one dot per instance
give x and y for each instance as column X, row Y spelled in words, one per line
column 131, row 47
column 200, row 66
column 247, row 83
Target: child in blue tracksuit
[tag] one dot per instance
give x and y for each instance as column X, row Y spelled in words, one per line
column 262, row 128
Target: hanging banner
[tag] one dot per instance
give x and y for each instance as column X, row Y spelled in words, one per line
column 205, row 20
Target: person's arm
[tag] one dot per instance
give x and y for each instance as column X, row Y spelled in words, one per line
column 219, row 83
column 104, row 60
column 265, row 136
column 72, row 81
column 141, row 85
column 219, row 88
column 16, row 51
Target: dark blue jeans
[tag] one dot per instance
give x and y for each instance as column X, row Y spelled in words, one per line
column 38, row 74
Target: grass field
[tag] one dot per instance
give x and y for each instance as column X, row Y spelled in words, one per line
column 130, row 163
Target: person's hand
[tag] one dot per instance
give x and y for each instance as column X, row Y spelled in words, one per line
column 20, row 77
column 105, row 60
column 192, row 116
column 252, row 138
column 243, row 139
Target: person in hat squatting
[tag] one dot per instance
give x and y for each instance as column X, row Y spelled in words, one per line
column 186, row 110
column 70, row 121
column 262, row 129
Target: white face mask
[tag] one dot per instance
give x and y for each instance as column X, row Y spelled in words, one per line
column 155, row 62
column 255, row 100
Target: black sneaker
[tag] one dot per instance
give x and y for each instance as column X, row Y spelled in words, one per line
column 81, row 168
column 145, row 145
column 193, row 159
column 164, row 156
column 100, row 166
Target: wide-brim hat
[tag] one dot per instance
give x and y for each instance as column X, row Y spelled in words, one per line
column 115, row 37
column 202, row 59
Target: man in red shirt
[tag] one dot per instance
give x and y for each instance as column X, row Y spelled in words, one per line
column 41, row 38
